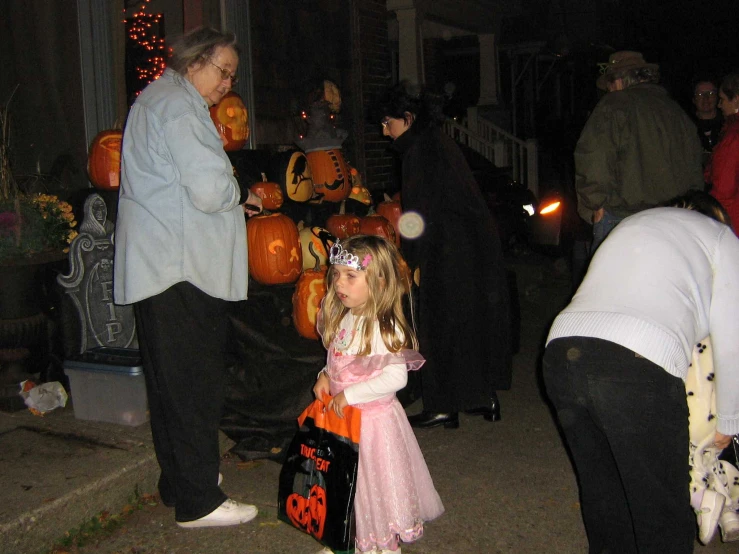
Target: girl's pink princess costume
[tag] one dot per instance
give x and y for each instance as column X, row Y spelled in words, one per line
column 395, row 493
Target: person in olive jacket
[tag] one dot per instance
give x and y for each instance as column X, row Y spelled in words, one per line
column 638, row 148
column 463, row 300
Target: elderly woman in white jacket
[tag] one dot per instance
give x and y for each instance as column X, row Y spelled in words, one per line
column 180, row 258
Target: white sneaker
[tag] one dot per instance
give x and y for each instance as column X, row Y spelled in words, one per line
column 708, row 515
column 729, row 523
column 228, row 513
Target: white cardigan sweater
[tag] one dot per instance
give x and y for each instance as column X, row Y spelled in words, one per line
column 663, row 280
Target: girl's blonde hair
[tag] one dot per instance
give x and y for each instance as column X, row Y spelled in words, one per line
column 386, row 285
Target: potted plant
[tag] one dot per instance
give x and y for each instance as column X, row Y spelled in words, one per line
column 35, row 230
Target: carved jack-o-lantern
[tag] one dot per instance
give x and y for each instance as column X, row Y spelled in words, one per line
column 275, row 255
column 315, row 243
column 270, row 193
column 377, row 225
column 104, row 161
column 330, row 175
column 391, row 210
column 232, row 121
column 342, row 225
column 309, row 293
column 292, row 172
column 308, row 514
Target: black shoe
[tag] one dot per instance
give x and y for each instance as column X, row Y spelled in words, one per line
column 490, row 413
column 426, row 420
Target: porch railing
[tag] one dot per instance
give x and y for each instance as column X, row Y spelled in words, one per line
column 499, row 146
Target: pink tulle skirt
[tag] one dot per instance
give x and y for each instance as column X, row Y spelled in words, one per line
column 395, row 492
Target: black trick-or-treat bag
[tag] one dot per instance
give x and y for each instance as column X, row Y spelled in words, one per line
column 319, row 477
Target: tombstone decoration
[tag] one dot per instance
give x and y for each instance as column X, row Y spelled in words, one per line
column 89, row 283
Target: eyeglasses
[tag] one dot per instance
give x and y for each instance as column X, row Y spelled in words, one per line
column 706, row 93
column 385, row 123
column 225, row 74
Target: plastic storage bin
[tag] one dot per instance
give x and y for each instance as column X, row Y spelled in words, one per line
column 107, row 384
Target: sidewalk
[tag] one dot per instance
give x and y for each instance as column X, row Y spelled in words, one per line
column 507, row 487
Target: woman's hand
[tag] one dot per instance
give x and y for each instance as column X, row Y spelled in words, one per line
column 252, row 200
column 322, row 386
column 338, row 403
column 722, row 441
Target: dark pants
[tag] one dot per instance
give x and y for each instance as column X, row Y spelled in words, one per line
column 182, row 338
column 625, row 421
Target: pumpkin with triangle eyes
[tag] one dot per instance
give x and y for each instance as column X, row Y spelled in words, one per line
column 308, row 514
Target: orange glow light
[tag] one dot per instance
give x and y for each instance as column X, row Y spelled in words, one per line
column 549, row 208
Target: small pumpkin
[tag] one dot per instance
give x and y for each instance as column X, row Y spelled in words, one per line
column 269, row 192
column 275, row 255
column 232, row 121
column 376, row 224
column 292, row 172
column 342, row 225
column 308, row 514
column 104, row 160
column 390, row 209
column 330, row 175
column 309, row 293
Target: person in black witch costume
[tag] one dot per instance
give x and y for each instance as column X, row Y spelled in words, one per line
column 463, row 301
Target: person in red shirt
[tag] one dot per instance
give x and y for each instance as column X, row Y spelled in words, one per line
column 722, row 171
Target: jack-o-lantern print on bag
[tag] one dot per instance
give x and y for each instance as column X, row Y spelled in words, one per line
column 318, row 478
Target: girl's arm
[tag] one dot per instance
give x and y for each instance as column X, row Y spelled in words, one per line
column 393, row 378
column 322, row 384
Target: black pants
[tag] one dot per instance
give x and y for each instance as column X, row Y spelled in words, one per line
column 182, row 336
column 625, row 420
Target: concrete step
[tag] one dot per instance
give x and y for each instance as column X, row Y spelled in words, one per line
column 56, row 472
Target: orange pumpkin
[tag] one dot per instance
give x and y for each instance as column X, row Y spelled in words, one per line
column 377, row 225
column 309, row 293
column 292, row 172
column 308, row 514
column 315, row 243
column 270, row 193
column 390, row 209
column 330, row 175
column 405, row 274
column 232, row 121
column 343, row 225
column 104, row 161
column 275, row 256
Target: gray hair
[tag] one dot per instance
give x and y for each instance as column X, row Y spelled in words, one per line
column 635, row 76
column 198, row 45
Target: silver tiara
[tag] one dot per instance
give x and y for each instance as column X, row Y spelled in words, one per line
column 339, row 256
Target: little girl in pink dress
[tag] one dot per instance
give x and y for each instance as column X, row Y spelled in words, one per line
column 370, row 350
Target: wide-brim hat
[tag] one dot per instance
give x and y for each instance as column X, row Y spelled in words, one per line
column 620, row 61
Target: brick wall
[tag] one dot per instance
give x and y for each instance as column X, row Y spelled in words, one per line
column 296, row 46
column 372, row 77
